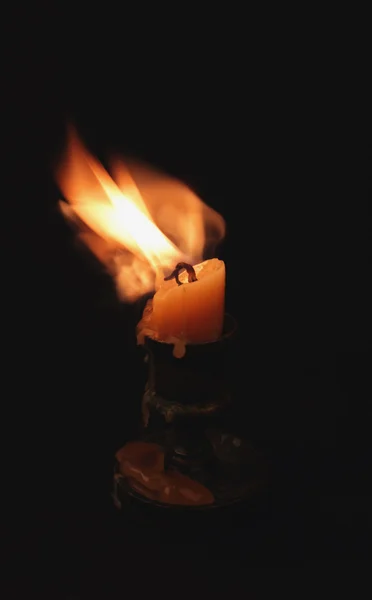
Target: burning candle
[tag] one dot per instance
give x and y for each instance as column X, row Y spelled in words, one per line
column 142, row 223
column 190, row 305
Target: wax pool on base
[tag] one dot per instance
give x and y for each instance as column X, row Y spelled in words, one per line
column 193, row 312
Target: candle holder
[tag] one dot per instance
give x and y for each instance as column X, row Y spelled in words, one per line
column 195, row 385
column 183, row 414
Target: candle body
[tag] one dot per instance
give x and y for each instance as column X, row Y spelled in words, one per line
column 193, row 312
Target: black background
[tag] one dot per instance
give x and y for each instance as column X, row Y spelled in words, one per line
column 255, row 129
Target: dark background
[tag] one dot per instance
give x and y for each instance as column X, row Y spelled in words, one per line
column 256, row 130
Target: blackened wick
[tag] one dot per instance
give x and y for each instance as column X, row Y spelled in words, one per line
column 191, row 275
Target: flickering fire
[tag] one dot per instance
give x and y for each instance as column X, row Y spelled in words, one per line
column 137, row 221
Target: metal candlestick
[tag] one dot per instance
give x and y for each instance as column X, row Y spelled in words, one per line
column 182, row 410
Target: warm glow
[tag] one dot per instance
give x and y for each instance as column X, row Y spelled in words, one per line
column 139, row 222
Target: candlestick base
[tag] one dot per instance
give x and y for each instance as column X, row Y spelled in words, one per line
column 228, row 467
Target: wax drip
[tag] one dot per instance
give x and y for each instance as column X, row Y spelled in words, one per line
column 191, row 275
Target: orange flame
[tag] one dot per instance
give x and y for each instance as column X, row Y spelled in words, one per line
column 139, row 223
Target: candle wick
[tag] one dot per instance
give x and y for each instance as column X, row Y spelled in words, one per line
column 191, row 275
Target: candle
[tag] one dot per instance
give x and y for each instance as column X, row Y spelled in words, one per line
column 193, row 311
